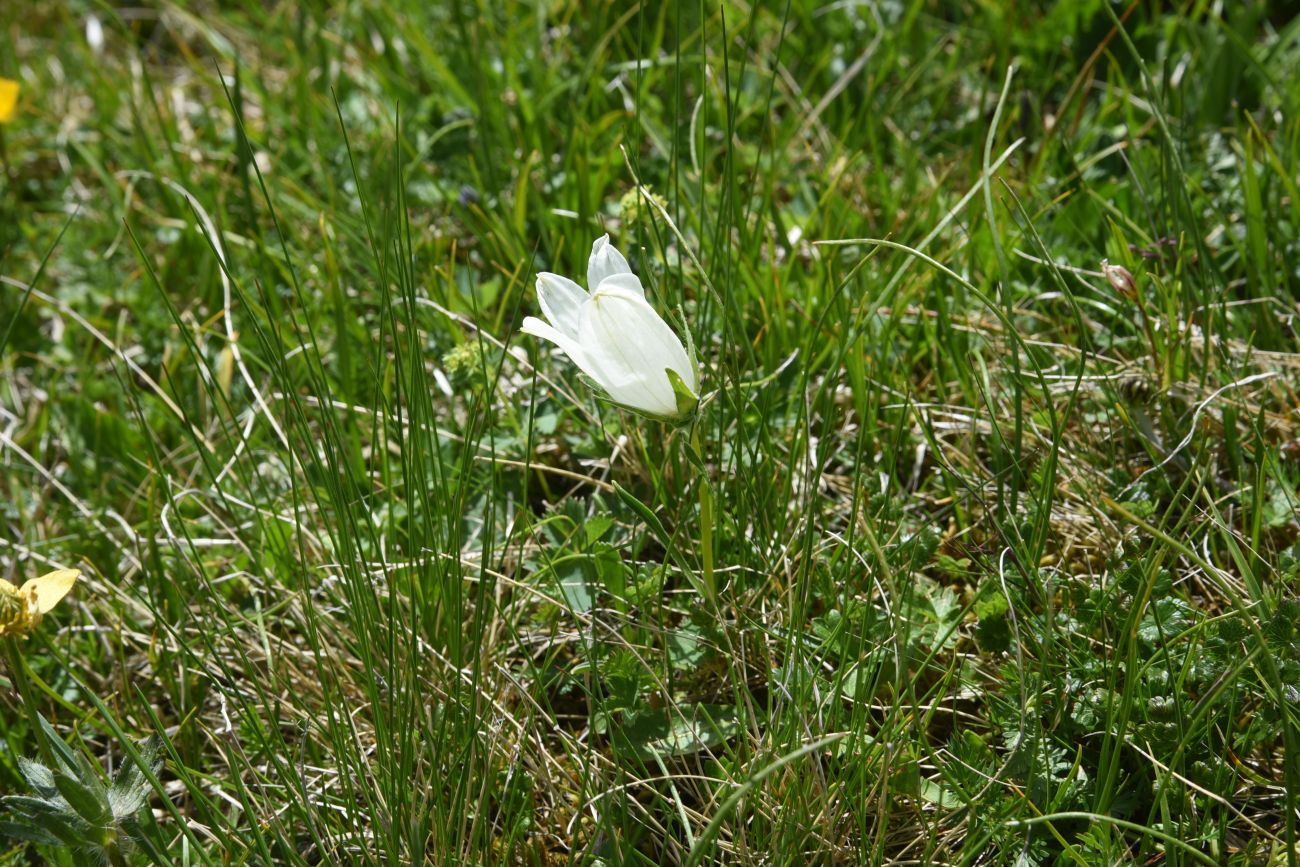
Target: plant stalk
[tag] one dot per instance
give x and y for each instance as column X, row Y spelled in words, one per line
column 706, row 519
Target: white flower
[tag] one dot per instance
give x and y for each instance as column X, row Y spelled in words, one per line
column 615, row 336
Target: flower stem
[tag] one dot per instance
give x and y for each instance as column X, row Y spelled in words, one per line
column 18, row 671
column 706, row 519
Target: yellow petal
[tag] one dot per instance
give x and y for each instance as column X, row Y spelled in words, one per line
column 8, row 99
column 48, row 589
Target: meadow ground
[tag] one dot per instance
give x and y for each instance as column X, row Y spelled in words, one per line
column 988, row 554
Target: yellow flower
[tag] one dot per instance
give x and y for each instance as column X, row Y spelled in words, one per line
column 8, row 99
column 21, row 608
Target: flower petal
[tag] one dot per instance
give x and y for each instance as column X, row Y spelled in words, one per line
column 628, row 282
column 605, row 262
column 571, row 347
column 630, row 347
column 51, row 587
column 654, row 332
column 561, row 300
column 8, row 99
column 539, row 328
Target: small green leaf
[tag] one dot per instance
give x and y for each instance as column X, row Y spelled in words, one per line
column 596, row 527
column 937, row 794
column 34, row 806
column 131, row 789
column 53, row 818
column 611, row 571
column 909, row 781
column 66, row 757
column 575, row 584
column 38, row 777
column 28, row 833
column 680, row 731
column 139, row 838
column 89, row 801
column 947, row 607
column 685, row 647
column 643, row 511
column 1279, row 509
column 991, row 603
column 546, row 423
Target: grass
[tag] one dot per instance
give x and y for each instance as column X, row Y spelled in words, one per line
column 1004, row 543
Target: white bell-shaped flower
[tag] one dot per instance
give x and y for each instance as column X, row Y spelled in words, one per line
column 616, row 338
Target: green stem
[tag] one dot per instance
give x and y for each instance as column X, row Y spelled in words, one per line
column 1156, row 364
column 18, row 671
column 706, row 519
column 114, row 853
column 4, row 164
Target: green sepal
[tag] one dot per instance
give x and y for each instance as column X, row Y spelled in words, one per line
column 687, row 400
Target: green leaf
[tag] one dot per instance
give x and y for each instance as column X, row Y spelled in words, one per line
column 53, row 818
column 991, row 603
column 28, row 833
column 958, row 570
column 546, row 423
column 937, row 794
column 1168, row 617
column 66, row 757
column 611, row 571
column 34, row 806
column 909, row 781
column 992, row 632
column 680, row 731
column 131, row 789
column 643, row 511
column 597, row 526
column 140, row 838
column 88, row 800
column 947, row 607
column 1279, row 509
column 686, row 647
column 573, row 576
column 39, row 777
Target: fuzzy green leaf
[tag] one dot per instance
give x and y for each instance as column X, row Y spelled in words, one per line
column 39, row 777
column 28, row 833
column 62, row 752
column 88, row 800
